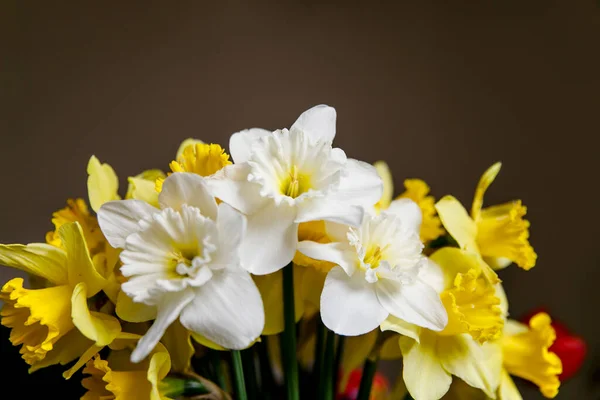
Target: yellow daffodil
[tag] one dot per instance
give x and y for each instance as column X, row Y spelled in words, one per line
column 141, row 381
column 40, row 318
column 498, row 233
column 417, row 191
column 199, row 158
column 474, row 317
column 525, row 354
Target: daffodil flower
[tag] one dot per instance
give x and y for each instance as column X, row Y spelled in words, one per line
column 42, row 319
column 525, row 353
column 498, row 233
column 376, row 274
column 283, row 178
column 183, row 261
column 465, row 348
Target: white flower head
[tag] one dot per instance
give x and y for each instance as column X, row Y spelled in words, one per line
column 378, row 273
column 287, row 177
column 183, row 259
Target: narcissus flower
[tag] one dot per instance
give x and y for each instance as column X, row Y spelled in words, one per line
column 474, row 315
column 376, row 274
column 498, row 233
column 417, row 191
column 40, row 318
column 287, row 177
column 183, row 261
column 526, row 354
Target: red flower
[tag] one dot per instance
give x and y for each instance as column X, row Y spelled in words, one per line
column 571, row 349
column 378, row 390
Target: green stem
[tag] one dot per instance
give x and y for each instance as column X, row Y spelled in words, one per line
column 176, row 387
column 318, row 368
column 238, row 375
column 250, row 373
column 288, row 348
column 326, row 392
column 366, row 381
column 215, row 360
column 337, row 363
column 266, row 374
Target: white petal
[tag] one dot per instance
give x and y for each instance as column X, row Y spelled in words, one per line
column 227, row 310
column 417, row 303
column 169, row 309
column 119, row 219
column 431, row 273
column 230, row 184
column 240, row 143
column 231, row 225
column 271, row 239
column 338, row 253
column 186, row 188
column 330, row 209
column 408, row 212
column 349, row 304
column 337, row 232
column 318, row 122
column 360, row 184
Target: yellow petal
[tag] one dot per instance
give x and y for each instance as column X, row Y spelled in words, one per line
column 160, row 365
column 526, row 355
column 418, row 191
column 507, row 389
column 356, row 351
column 459, row 390
column 80, row 265
column 271, row 290
column 185, row 144
column 314, row 231
column 67, row 349
column 484, row 182
column 458, row 223
column 503, row 233
column 77, row 211
column 130, row 311
column 143, row 186
column 39, row 259
column 85, row 357
column 37, row 318
column 472, row 307
column 397, row 325
column 207, row 343
column 98, row 327
column 383, row 170
column 312, row 286
column 202, row 159
column 177, row 341
column 455, row 261
column 102, row 183
column 462, row 356
column 424, row 376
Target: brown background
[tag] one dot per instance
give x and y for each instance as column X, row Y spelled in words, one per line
column 440, row 91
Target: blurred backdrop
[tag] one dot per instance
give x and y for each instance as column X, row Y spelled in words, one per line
column 438, row 90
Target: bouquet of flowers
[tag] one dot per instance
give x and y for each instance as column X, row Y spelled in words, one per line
column 278, row 271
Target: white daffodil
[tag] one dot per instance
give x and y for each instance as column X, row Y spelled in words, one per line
column 283, row 178
column 183, row 260
column 377, row 273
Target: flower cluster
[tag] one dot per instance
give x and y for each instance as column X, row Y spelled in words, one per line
column 202, row 267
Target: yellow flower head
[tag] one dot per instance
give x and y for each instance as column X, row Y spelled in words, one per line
column 144, row 383
column 416, row 190
column 526, row 354
column 470, row 299
column 498, row 233
column 198, row 158
column 314, row 231
column 472, row 308
column 38, row 318
column 77, row 211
